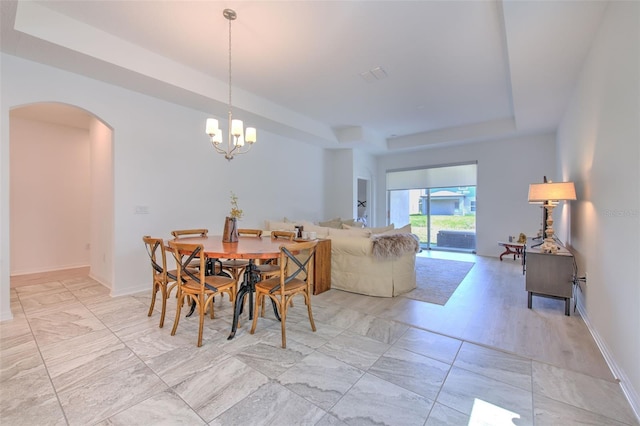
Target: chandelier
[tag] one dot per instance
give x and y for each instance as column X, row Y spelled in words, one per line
column 237, row 135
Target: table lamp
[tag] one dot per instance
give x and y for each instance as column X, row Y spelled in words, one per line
column 551, row 193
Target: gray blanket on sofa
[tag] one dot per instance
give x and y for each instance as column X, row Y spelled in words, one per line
column 391, row 246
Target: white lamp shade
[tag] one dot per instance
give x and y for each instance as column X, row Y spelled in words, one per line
column 239, row 141
column 212, row 126
column 236, row 127
column 217, row 137
column 251, row 135
column 552, row 191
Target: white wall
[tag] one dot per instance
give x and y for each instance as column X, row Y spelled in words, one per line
column 505, row 170
column 164, row 161
column 50, row 196
column 598, row 145
column 340, row 185
column 101, row 210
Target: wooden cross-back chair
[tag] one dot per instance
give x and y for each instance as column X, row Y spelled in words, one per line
column 296, row 263
column 236, row 267
column 214, row 267
column 195, row 285
column 196, row 232
column 163, row 280
column 270, row 268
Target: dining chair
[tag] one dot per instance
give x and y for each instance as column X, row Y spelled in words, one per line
column 197, row 287
column 296, row 277
column 269, row 267
column 163, row 280
column 197, row 232
column 236, row 267
column 214, row 267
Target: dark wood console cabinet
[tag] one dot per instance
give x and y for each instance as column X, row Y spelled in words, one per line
column 322, row 267
column 550, row 275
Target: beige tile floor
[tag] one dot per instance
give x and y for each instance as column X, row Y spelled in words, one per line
column 73, row 355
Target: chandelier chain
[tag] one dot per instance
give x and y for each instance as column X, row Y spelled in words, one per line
column 230, row 107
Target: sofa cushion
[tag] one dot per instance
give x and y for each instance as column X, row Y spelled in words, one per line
column 352, row 224
column 353, row 232
column 334, row 223
column 347, row 245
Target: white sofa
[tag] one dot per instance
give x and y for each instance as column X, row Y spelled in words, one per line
column 354, row 267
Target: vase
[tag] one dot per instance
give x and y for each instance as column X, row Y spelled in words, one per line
column 230, row 234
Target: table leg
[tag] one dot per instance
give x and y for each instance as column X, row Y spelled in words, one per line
column 245, row 288
column 248, row 287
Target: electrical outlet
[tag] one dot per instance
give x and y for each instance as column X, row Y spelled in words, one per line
column 141, row 210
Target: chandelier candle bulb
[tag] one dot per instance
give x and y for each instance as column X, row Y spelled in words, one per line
column 212, row 126
column 251, row 135
column 236, row 127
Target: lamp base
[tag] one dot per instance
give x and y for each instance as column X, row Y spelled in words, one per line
column 549, row 246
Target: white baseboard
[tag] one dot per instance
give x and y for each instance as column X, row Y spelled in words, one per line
column 131, row 290
column 48, row 269
column 625, row 384
column 6, row 316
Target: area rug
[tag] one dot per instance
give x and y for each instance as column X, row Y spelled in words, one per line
column 437, row 279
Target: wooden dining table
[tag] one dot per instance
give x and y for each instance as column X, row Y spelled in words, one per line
column 249, row 248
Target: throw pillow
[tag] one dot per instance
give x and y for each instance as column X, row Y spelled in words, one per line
column 352, row 223
column 273, row 225
column 382, row 229
column 404, row 230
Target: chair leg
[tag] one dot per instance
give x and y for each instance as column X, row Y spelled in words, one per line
column 308, row 302
column 178, row 309
column 154, row 290
column 259, row 299
column 283, row 319
column 211, row 301
column 201, row 314
column 164, row 304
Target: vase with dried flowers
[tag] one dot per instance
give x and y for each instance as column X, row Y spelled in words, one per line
column 230, row 234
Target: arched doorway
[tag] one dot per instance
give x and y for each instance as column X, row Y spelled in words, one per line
column 61, row 191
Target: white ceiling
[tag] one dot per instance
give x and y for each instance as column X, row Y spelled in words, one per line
column 457, row 71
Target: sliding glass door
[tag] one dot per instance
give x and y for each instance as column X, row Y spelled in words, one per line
column 443, row 216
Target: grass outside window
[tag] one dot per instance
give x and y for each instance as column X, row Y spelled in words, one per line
column 440, row 222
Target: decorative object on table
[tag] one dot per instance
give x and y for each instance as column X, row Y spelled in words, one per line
column 551, row 194
column 230, row 233
column 237, row 136
column 522, row 238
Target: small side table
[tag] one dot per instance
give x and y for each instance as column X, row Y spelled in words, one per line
column 517, row 249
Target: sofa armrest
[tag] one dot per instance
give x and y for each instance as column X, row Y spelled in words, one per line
column 358, row 246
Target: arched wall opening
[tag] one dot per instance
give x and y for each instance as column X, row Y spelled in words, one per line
column 61, row 191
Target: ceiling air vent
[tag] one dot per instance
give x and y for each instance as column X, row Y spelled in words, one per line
column 374, row 74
